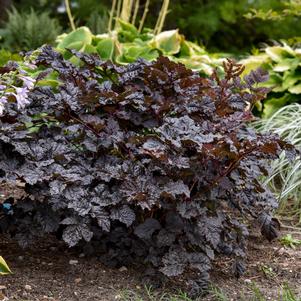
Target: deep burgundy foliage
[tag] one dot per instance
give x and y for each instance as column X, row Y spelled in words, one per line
column 148, row 162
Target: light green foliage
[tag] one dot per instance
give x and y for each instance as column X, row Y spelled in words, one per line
column 291, row 8
column 125, row 45
column 6, row 56
column 285, row 179
column 284, row 65
column 4, row 269
column 28, row 30
column 289, row 241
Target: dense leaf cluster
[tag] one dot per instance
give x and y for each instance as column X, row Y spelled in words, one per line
column 147, row 162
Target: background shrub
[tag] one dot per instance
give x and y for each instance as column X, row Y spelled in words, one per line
column 29, row 30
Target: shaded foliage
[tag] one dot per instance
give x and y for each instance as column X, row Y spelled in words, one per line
column 147, row 162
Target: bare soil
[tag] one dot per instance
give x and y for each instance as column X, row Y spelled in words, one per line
column 43, row 272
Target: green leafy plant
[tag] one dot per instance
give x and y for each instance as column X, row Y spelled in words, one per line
column 126, row 44
column 28, row 30
column 284, row 66
column 4, row 269
column 289, row 241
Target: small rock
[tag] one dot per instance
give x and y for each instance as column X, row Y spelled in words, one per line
column 248, row 281
column 123, row 269
column 78, row 280
column 43, row 263
column 28, row 287
column 2, row 287
column 73, row 261
column 50, row 263
column 20, row 258
column 81, row 255
column 117, row 297
column 3, row 297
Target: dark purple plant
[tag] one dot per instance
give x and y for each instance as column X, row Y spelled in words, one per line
column 146, row 162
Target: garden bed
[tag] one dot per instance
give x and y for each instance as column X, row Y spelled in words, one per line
column 43, row 272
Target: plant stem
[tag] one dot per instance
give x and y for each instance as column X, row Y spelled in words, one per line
column 162, row 16
column 126, row 10
column 135, row 12
column 146, row 9
column 68, row 9
column 111, row 15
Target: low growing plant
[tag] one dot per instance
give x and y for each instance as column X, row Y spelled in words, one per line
column 148, row 162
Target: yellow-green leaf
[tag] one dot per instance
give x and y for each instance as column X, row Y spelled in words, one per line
column 4, row 269
column 81, row 36
column 168, row 42
column 105, row 48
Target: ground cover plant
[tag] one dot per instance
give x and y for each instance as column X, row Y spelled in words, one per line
column 148, row 162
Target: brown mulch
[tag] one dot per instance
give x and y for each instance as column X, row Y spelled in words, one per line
column 43, row 272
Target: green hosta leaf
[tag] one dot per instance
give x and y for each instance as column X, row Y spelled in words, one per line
column 278, row 53
column 128, row 27
column 199, row 63
column 286, row 64
column 127, row 32
column 4, row 269
column 274, row 104
column 132, row 52
column 168, row 42
column 254, row 62
column 105, row 48
column 76, row 39
column 190, row 49
column 290, row 79
column 295, row 89
column 274, row 82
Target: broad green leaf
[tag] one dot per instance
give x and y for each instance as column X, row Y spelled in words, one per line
column 126, row 36
column 290, row 79
column 295, row 89
column 278, row 53
column 48, row 83
column 254, row 62
column 286, row 64
column 88, row 48
column 131, row 52
column 190, row 49
column 105, row 48
column 4, row 269
column 196, row 63
column 168, row 42
column 273, row 104
column 82, row 35
column 128, row 27
column 275, row 81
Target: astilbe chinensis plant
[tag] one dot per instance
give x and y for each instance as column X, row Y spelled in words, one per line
column 148, row 163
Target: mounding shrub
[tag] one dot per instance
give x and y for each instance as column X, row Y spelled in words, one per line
column 147, row 162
